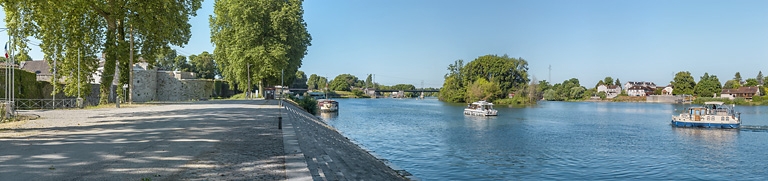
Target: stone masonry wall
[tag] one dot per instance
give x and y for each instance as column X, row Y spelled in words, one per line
column 144, row 85
column 169, row 88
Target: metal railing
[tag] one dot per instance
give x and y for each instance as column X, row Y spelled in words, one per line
column 45, row 103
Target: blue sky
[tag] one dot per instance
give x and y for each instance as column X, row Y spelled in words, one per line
column 406, row 41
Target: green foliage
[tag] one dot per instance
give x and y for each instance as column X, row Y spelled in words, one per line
column 760, row 79
column 514, row 101
column 166, row 59
column 204, row 65
column 683, row 83
column 25, row 83
column 568, row 90
column 343, row 82
column 358, row 93
column 751, row 82
column 508, row 73
column 71, row 30
column 608, row 81
column 299, row 80
column 589, row 93
column 269, row 35
column 618, row 83
column 481, row 89
column 708, row 86
column 737, row 77
column 731, row 84
column 452, row 91
column 369, row 81
column 307, row 103
column 602, row 95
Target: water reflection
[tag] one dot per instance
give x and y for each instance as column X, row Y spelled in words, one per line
column 329, row 115
column 717, row 136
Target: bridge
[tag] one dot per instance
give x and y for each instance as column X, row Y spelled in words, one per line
column 407, row 90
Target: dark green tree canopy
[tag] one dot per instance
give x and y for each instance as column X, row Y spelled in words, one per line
column 708, row 86
column 683, row 83
column 343, row 82
column 508, row 73
column 87, row 28
column 300, row 80
column 731, row 84
column 269, row 36
column 751, row 82
column 204, row 65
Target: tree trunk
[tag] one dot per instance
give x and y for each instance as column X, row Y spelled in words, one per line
column 109, row 64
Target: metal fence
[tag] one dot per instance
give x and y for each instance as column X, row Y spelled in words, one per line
column 45, row 103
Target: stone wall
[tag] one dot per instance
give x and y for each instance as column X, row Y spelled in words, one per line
column 169, row 88
column 144, row 85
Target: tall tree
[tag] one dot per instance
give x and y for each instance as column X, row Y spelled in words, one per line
column 618, row 83
column 707, row 86
column 204, row 65
column 751, row 82
column 262, row 37
column 731, row 84
column 166, row 59
column 368, row 81
column 608, row 81
column 510, row 74
column 72, row 29
column 343, row 82
column 180, row 63
column 737, row 77
column 312, row 82
column 683, row 83
column 300, row 80
column 760, row 79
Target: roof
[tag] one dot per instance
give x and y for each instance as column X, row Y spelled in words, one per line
column 610, row 86
column 37, row 65
column 714, row 102
column 741, row 90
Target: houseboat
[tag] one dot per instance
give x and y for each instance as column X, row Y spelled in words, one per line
column 327, row 105
column 480, row 108
column 710, row 115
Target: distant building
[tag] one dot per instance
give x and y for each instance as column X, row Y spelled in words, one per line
column 743, row 92
column 610, row 91
column 40, row 68
column 640, row 88
column 667, row 90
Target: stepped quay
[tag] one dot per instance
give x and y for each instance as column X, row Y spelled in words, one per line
column 206, row 140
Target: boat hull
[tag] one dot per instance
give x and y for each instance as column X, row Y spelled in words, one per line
column 479, row 113
column 704, row 124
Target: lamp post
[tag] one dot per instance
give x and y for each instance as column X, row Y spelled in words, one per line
column 280, row 109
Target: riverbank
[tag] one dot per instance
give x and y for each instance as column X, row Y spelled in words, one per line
column 208, row 140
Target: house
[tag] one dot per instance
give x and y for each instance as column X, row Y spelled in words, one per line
column 40, row 68
column 642, row 84
column 640, row 88
column 610, row 91
column 744, row 92
column 640, row 91
column 667, row 90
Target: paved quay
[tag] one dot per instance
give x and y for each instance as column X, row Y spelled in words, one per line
column 209, row 140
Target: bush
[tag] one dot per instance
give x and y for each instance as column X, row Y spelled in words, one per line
column 307, row 103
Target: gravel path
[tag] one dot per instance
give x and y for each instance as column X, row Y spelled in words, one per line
column 210, row 140
column 213, row 140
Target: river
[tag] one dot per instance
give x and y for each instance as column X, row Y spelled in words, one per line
column 433, row 140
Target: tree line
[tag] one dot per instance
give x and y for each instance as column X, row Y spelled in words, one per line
column 488, row 77
column 710, row 86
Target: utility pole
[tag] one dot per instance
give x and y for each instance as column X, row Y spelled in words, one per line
column 130, row 71
column 248, row 94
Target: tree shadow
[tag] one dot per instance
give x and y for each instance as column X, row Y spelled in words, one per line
column 230, row 140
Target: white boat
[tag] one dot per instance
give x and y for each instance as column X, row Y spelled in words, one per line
column 327, row 105
column 480, row 108
column 711, row 115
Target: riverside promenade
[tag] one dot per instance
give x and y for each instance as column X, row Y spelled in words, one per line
column 209, row 140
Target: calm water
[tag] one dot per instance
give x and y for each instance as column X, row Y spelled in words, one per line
column 554, row 141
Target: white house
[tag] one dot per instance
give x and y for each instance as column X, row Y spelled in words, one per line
column 667, row 90
column 640, row 88
column 610, row 91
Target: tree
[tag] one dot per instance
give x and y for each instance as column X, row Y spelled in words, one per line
column 599, row 83
column 683, row 83
column 269, row 35
column 707, row 86
column 608, row 81
column 751, row 82
column 368, row 81
column 737, row 77
column 72, row 29
column 731, row 84
column 618, row 83
column 760, row 79
column 343, row 82
column 481, row 89
column 204, row 65
column 300, row 80
column 166, row 60
column 180, row 64
column 508, row 73
column 312, row 82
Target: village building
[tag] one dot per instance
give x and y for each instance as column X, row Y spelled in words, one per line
column 743, row 92
column 610, row 91
column 640, row 88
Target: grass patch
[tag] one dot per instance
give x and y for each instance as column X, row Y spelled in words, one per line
column 629, row 99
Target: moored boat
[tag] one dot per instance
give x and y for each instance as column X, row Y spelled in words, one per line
column 710, row 115
column 480, row 108
column 327, row 105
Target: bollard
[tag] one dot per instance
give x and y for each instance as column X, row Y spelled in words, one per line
column 280, row 122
